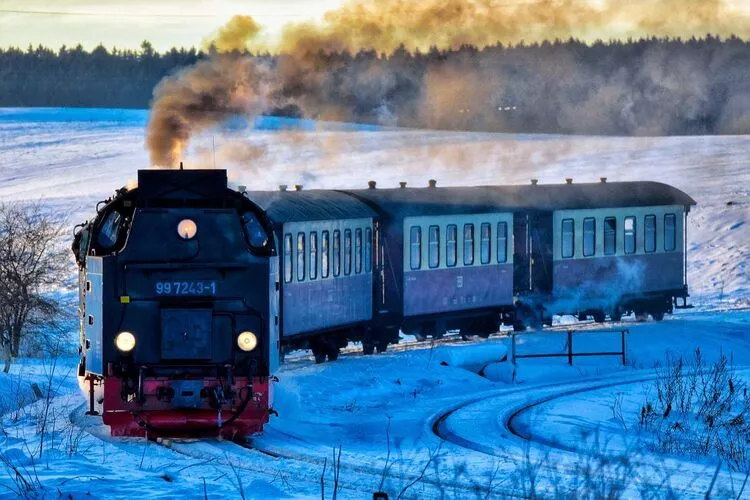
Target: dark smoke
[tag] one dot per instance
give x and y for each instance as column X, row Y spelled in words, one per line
column 337, row 70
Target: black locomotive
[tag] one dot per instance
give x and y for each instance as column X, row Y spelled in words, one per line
column 190, row 290
column 178, row 307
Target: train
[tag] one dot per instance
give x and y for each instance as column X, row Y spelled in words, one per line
column 192, row 291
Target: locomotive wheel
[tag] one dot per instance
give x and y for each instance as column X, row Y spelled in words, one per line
column 333, row 354
column 616, row 315
column 319, row 354
column 368, row 348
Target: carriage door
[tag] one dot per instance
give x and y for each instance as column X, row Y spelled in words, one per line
column 541, row 251
column 521, row 261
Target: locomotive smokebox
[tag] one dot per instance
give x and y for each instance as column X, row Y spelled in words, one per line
column 181, row 184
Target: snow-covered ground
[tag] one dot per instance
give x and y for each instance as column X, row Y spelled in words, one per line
column 426, row 423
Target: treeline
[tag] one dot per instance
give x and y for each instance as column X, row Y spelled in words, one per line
column 635, row 87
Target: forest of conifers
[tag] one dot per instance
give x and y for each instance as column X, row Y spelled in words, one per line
column 636, row 87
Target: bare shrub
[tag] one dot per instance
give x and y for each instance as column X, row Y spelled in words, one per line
column 701, row 409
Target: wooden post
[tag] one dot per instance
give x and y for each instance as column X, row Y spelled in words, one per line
column 513, row 347
column 570, row 347
column 623, row 345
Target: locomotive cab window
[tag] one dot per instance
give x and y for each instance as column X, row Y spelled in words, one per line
column 313, row 255
column 485, row 250
column 347, row 252
column 368, row 250
column 415, row 244
column 610, row 236
column 358, row 250
column 649, row 234
column 300, row 256
column 502, row 242
column 254, row 232
column 325, row 252
column 670, row 232
column 468, row 244
column 629, row 241
column 451, row 245
column 336, row 252
column 589, row 236
column 434, row 248
column 109, row 231
column 568, row 238
column 287, row 258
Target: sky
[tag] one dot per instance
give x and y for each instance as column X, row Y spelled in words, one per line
column 185, row 23
column 125, row 23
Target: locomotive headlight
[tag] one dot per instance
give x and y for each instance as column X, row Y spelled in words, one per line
column 247, row 341
column 125, row 341
column 187, row 229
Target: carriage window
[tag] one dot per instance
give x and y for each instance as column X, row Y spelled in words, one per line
column 434, row 248
column 254, row 232
column 610, row 236
column 287, row 258
column 485, row 251
column 568, row 238
column 347, row 252
column 368, row 250
column 649, row 236
column 589, row 236
column 336, row 252
column 629, row 240
column 313, row 256
column 415, row 243
column 670, row 232
column 109, row 231
column 468, row 244
column 324, row 254
column 358, row 250
column 502, row 242
column 451, row 245
column 300, row 256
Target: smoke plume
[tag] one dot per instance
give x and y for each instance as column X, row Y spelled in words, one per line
column 316, row 73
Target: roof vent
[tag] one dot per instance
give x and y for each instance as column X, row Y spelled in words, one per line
column 298, row 187
column 568, row 180
column 603, row 179
column 371, row 184
column 534, row 182
column 402, row 184
column 432, row 183
column 282, row 187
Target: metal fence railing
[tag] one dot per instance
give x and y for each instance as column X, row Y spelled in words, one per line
column 570, row 353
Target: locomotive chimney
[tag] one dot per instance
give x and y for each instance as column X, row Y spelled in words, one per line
column 282, row 187
column 534, row 182
column 432, row 183
column 568, row 180
column 402, row 184
column 298, row 187
column 603, row 179
column 371, row 184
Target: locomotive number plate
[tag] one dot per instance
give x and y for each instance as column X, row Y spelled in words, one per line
column 187, row 288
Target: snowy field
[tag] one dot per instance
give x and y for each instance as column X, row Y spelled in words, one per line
column 452, row 421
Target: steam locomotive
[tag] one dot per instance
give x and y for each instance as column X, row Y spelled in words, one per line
column 178, row 308
column 191, row 291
